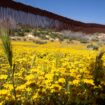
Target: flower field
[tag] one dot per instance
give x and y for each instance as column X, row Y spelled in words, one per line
column 52, row 74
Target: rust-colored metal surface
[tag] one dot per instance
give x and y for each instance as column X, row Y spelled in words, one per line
column 25, row 14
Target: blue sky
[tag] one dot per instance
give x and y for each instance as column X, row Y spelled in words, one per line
column 91, row 11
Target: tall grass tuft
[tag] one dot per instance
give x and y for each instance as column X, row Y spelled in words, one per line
column 6, row 44
column 7, row 47
column 98, row 72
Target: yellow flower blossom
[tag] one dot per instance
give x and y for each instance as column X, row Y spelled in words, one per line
column 4, row 92
column 3, row 76
column 61, row 80
column 88, row 81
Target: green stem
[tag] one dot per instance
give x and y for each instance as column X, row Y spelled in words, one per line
column 13, row 82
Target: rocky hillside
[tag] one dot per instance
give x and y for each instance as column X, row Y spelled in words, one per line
column 25, row 14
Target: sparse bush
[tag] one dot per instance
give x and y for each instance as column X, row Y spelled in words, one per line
column 83, row 40
column 39, row 42
column 92, row 47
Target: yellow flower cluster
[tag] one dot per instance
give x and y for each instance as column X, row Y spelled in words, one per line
column 42, row 70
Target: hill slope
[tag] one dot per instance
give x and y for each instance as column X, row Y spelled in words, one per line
column 36, row 17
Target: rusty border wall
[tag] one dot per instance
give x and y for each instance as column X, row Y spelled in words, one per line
column 18, row 13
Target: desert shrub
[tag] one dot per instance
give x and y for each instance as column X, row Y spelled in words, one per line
column 27, row 30
column 92, row 47
column 83, row 40
column 39, row 42
column 19, row 32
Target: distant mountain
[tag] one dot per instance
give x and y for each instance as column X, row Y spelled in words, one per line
column 24, row 14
